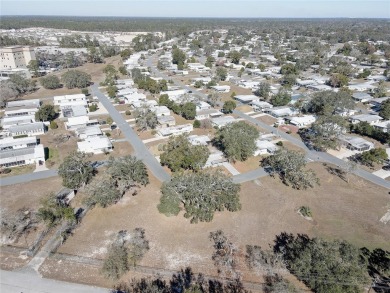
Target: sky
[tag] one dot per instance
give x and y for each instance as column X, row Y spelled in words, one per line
column 201, row 8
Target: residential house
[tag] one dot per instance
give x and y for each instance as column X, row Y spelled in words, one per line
column 89, row 131
column 166, row 121
column 369, row 118
column 73, row 111
column 361, row 97
column 302, row 121
column 10, row 143
column 246, row 99
column 207, row 113
column 31, row 129
column 79, row 122
column 71, row 100
column 356, row 143
column 221, row 88
column 258, row 105
column 282, row 111
column 199, row 139
column 223, row 121
column 22, row 156
column 175, row 130
column 264, row 147
column 95, row 145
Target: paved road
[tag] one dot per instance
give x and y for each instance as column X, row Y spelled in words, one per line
column 315, row 155
column 249, row 176
column 141, row 151
column 27, row 177
column 18, row 282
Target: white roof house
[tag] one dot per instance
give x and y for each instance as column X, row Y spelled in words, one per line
column 216, row 158
column 174, row 93
column 207, row 113
column 371, row 119
column 22, row 156
column 95, row 145
column 78, row 122
column 201, row 105
column 199, row 139
column 20, row 111
column 7, row 122
column 361, row 87
column 24, row 103
column 223, row 121
column 176, row 130
column 31, row 129
column 281, row 111
column 197, row 67
column 258, row 105
column 221, row 88
column 383, row 125
column 361, row 97
column 246, row 99
column 166, row 121
column 70, row 100
column 73, row 111
column 89, row 131
column 264, row 147
column 356, row 143
column 133, row 97
column 161, row 111
column 303, row 120
column 10, row 143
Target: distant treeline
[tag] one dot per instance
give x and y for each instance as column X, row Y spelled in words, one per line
column 10, row 41
column 335, row 30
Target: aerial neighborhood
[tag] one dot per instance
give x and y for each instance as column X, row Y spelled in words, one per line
column 242, row 154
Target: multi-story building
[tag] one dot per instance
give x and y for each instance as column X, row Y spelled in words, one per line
column 14, row 57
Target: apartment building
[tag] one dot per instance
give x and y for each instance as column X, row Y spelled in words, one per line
column 16, row 57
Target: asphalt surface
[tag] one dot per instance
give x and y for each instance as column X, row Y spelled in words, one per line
column 27, row 177
column 141, row 151
column 29, row 282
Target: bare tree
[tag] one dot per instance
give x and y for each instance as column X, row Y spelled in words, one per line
column 225, row 256
column 263, row 261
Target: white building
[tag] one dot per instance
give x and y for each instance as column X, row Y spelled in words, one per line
column 281, row 111
column 22, row 108
column 361, row 97
column 175, row 130
column 89, row 131
column 207, row 114
column 70, row 100
column 22, row 156
column 258, row 105
column 370, row 119
column 10, row 143
column 16, row 57
column 166, row 121
column 31, row 129
column 246, row 99
column 199, row 139
column 223, row 121
column 95, row 145
column 79, row 122
column 356, row 143
column 302, row 121
column 221, row 88
column 264, row 147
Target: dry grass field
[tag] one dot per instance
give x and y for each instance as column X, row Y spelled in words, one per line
column 341, row 210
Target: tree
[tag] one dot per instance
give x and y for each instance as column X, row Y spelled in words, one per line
column 228, row 107
column 384, row 111
column 50, row 82
column 137, row 246
column 53, row 125
column 46, row 113
column 277, row 284
column 21, row 84
column 127, row 173
column 221, row 73
column 289, row 80
column 111, row 91
column 213, row 99
column 76, row 79
column 324, row 266
column 381, row 90
column 235, row 57
column 7, row 93
column 198, row 84
column 263, row 261
column 125, row 54
column 201, row 194
column 178, row 57
column 325, row 132
column 53, row 210
column 289, row 68
column 225, row 255
column 94, row 55
column 181, row 154
column 237, row 140
column 145, row 119
column 116, row 262
column 111, row 74
column 330, row 103
column 377, row 155
column 264, row 90
column 289, row 165
column 76, row 170
column 123, row 70
column 282, row 98
column 196, row 124
column 102, row 192
column 338, row 80
column 15, row 224
column 188, row 111
column 33, row 66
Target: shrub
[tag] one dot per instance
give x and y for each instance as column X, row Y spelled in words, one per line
column 53, row 125
column 305, row 211
column 93, row 108
column 85, row 91
column 196, row 124
column 108, row 134
column 128, row 113
column 279, row 143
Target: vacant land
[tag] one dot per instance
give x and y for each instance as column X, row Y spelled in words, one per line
column 341, row 210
